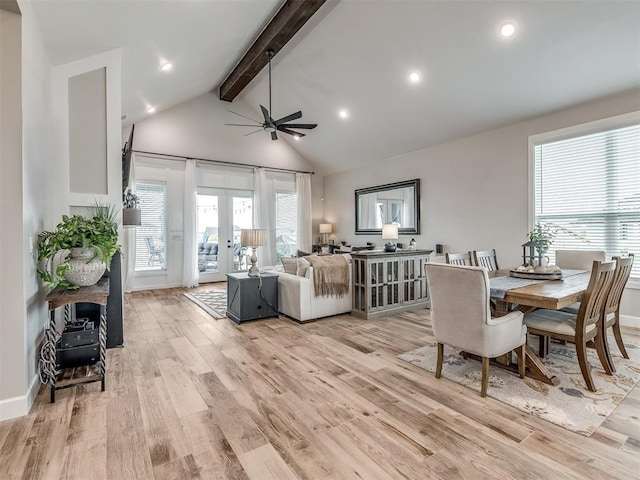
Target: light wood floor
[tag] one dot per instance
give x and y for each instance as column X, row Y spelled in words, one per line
column 193, row 397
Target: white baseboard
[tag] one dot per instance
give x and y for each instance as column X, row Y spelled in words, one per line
column 629, row 321
column 19, row 406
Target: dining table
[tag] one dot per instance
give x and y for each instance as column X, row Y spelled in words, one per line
column 551, row 294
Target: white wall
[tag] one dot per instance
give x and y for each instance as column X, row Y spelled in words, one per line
column 474, row 189
column 13, row 378
column 196, row 129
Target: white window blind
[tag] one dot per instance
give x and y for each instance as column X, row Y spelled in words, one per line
column 588, row 189
column 286, row 224
column 150, row 236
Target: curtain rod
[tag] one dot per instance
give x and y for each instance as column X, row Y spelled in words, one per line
column 222, row 162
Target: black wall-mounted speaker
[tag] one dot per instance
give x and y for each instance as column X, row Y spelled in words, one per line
column 439, row 248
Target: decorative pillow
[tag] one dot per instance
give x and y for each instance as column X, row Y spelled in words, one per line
column 303, row 266
column 290, row 265
column 302, row 253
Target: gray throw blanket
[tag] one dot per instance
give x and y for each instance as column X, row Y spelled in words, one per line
column 330, row 275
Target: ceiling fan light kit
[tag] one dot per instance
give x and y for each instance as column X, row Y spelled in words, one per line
column 272, row 126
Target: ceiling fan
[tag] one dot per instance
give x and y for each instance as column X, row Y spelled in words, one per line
column 270, row 125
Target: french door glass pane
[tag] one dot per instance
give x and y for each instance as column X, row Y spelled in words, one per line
column 150, row 235
column 207, row 234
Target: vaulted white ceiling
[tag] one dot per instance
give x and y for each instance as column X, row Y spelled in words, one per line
column 357, row 55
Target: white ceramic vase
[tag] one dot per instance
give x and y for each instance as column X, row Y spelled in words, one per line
column 86, row 267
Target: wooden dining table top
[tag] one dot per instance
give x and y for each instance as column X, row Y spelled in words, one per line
column 553, row 294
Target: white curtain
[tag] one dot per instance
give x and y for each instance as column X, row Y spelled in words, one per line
column 303, row 193
column 263, row 199
column 129, row 244
column 190, row 269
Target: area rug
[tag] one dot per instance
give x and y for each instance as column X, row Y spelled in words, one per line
column 568, row 404
column 212, row 302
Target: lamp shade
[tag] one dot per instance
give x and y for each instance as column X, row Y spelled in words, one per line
column 325, row 228
column 253, row 237
column 389, row 231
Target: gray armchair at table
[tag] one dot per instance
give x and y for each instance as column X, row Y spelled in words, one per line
column 460, row 317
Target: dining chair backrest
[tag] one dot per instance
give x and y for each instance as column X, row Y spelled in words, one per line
column 594, row 298
column 486, row 259
column 459, row 304
column 620, row 278
column 579, row 259
column 459, row 259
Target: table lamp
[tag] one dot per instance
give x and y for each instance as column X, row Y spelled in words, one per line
column 325, row 228
column 390, row 232
column 253, row 238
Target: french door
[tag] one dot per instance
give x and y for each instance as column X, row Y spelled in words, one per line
column 222, row 214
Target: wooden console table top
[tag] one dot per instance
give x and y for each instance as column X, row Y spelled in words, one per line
column 97, row 293
column 382, row 253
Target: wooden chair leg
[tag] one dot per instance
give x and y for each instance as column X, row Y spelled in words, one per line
column 520, row 351
column 603, row 355
column 585, row 368
column 618, row 337
column 440, row 359
column 607, row 352
column 543, row 346
column 485, row 376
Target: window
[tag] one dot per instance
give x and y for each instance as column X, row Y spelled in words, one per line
column 587, row 188
column 286, row 225
column 150, row 236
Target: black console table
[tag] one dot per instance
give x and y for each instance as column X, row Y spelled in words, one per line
column 60, row 297
column 251, row 298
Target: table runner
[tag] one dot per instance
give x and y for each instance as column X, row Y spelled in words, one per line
column 501, row 285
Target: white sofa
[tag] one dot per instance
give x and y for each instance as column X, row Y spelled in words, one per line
column 297, row 298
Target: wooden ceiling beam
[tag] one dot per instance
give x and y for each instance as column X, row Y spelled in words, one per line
column 283, row 26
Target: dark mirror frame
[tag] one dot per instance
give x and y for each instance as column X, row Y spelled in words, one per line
column 391, row 186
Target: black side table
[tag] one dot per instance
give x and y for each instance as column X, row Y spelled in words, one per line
column 251, row 298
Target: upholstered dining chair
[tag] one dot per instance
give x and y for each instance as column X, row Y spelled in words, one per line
column 458, row 259
column 611, row 314
column 486, row 259
column 460, row 317
column 582, row 327
column 579, row 259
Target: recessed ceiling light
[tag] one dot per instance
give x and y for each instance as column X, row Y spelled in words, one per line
column 165, row 67
column 151, row 109
column 414, row 77
column 508, row 29
column 343, row 113
column 297, row 137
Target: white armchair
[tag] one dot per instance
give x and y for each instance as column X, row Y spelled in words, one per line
column 297, row 298
column 461, row 317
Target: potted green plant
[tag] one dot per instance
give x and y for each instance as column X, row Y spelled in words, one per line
column 542, row 235
column 83, row 245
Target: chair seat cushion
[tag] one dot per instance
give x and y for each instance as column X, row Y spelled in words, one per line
column 553, row 321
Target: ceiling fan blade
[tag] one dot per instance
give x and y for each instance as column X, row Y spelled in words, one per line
column 282, row 128
column 288, row 118
column 244, row 116
column 307, row 126
column 265, row 112
column 251, row 133
column 274, row 136
column 240, row 125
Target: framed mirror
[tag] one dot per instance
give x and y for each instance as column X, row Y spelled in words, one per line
column 391, row 203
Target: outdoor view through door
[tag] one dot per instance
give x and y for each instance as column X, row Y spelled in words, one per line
column 222, row 214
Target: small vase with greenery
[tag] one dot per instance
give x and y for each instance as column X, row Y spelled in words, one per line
column 542, row 235
column 98, row 234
